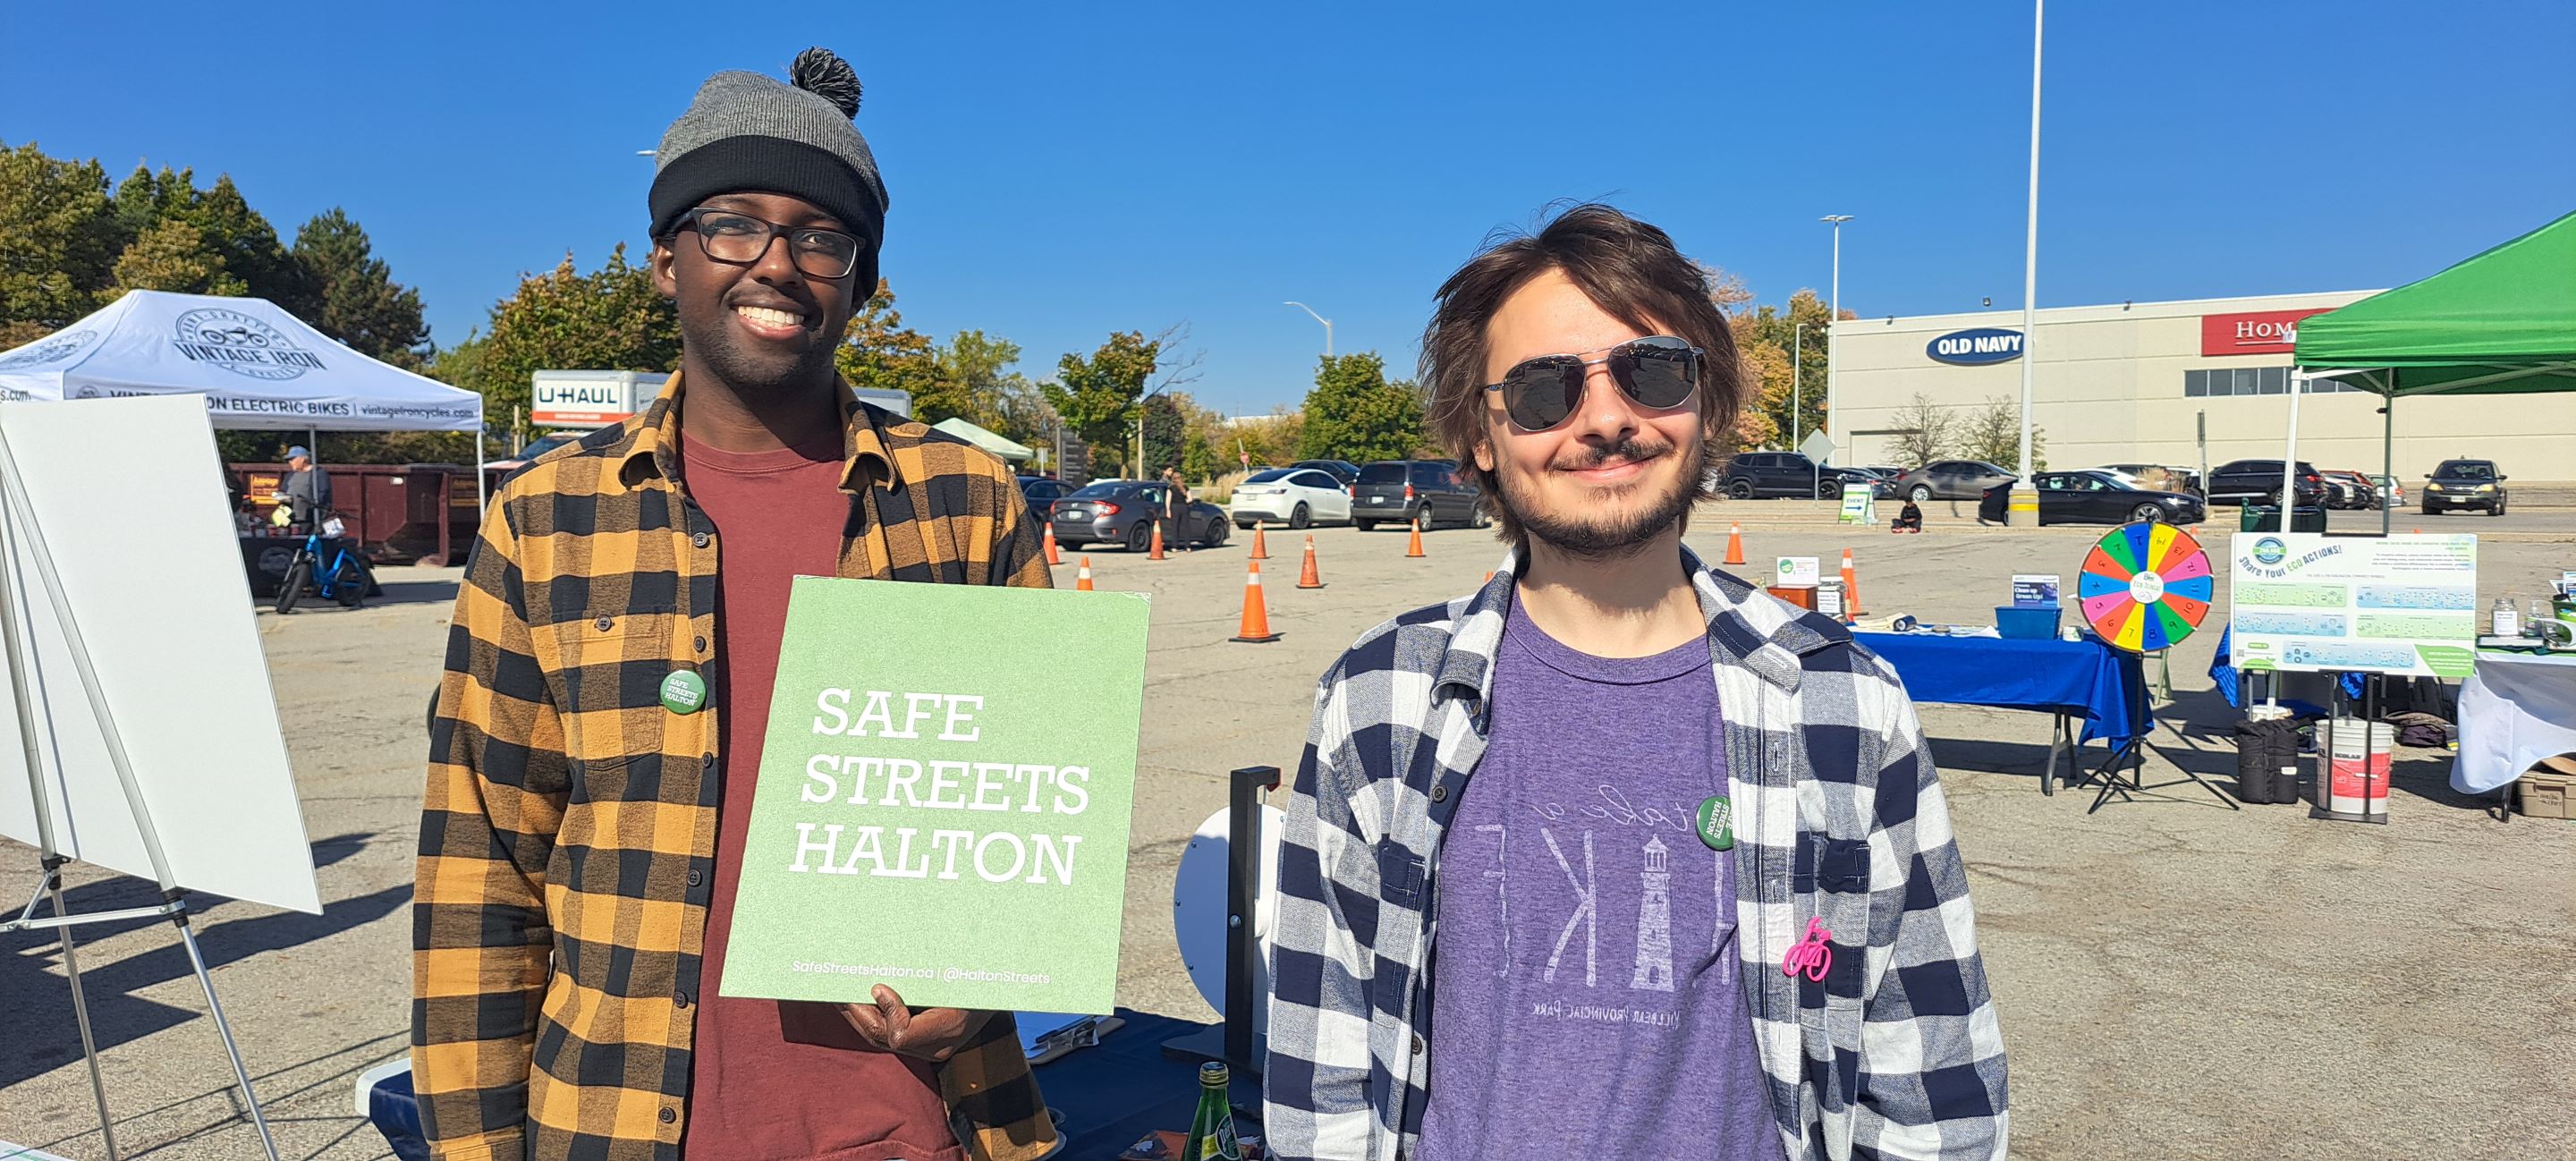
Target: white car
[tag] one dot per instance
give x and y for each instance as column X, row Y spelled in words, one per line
column 1295, row 497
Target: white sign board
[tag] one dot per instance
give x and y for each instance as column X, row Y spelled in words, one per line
column 130, row 502
column 2401, row 604
column 1797, row 572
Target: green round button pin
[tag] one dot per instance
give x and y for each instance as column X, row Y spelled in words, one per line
column 1717, row 822
column 684, row 692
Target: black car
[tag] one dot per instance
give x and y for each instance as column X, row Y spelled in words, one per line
column 2092, row 497
column 1951, row 480
column 1042, row 492
column 1344, row 470
column 2464, row 484
column 1424, row 493
column 2259, row 482
column 1124, row 511
column 1753, row 475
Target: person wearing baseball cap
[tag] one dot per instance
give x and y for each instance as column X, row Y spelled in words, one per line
column 598, row 730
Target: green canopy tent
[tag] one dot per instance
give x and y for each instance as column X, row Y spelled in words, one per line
column 2503, row 322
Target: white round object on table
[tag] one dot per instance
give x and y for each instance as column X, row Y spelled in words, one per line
column 1198, row 910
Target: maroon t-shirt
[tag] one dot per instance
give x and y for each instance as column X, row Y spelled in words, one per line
column 772, row 1080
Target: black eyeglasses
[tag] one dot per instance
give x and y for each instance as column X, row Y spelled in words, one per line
column 738, row 239
column 1658, row 371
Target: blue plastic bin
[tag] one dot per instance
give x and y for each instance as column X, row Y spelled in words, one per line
column 2019, row 624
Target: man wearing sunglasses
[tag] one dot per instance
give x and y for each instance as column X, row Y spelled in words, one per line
column 1692, row 873
column 598, row 732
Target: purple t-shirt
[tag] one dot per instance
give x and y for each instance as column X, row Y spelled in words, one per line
column 1585, row 1000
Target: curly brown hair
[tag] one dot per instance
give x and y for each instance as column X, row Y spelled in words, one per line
column 1629, row 269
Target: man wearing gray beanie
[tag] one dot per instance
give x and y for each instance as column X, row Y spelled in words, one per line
column 610, row 665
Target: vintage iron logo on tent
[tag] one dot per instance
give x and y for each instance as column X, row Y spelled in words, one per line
column 50, row 349
column 1976, row 347
column 242, row 344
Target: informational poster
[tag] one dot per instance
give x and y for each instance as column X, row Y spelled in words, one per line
column 2401, row 604
column 944, row 797
column 1860, row 504
column 2035, row 590
column 1798, row 572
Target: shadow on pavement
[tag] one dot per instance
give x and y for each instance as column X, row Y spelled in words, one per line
column 37, row 1032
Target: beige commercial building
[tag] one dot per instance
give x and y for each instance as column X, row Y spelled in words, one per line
column 2134, row 383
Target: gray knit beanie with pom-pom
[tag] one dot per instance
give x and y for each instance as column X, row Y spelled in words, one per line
column 747, row 132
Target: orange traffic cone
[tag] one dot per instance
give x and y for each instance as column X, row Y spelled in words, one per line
column 1308, row 578
column 1082, row 579
column 1256, row 617
column 1053, row 556
column 1158, row 542
column 1260, row 546
column 1851, row 588
column 1413, row 550
column 1734, row 544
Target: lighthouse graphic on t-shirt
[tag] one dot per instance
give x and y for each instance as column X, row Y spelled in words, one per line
column 1655, row 922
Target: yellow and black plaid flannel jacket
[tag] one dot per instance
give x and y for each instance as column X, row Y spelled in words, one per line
column 568, row 833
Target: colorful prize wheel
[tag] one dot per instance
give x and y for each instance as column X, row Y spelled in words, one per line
column 2145, row 586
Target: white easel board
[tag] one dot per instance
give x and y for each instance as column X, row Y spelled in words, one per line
column 129, row 497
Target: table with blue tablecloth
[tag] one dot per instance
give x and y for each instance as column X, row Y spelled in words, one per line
column 2086, row 681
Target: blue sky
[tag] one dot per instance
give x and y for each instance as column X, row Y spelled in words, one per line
column 1060, row 171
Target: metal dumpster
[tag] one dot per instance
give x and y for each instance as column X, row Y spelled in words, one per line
column 398, row 513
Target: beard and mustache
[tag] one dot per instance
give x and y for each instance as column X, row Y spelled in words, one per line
column 1606, row 533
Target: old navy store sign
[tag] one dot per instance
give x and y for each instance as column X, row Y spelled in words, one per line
column 1977, row 347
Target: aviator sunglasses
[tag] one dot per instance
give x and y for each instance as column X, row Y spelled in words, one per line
column 1658, row 371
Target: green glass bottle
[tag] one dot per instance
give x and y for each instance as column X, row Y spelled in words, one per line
column 1212, row 1127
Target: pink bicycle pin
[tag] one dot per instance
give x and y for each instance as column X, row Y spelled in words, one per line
column 1811, row 954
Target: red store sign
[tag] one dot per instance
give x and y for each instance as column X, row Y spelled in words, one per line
column 2262, row 332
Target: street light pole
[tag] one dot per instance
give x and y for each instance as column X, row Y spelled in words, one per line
column 1834, row 314
column 1328, row 325
column 1797, row 354
column 2025, row 493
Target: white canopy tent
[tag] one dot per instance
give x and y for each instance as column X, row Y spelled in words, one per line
column 1010, row 451
column 259, row 367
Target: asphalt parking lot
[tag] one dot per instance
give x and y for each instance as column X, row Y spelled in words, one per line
column 2176, row 979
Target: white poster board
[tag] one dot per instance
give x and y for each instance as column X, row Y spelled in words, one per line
column 129, row 498
column 1798, row 572
column 2405, row 605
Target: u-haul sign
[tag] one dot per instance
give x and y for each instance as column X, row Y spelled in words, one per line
column 580, row 399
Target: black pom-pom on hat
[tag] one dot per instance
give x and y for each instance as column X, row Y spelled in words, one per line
column 822, row 72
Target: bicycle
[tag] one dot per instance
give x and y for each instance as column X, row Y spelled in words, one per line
column 343, row 575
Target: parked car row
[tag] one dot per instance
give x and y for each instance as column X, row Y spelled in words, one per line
column 1767, row 475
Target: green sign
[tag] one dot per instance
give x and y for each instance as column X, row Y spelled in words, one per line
column 943, row 799
column 1860, row 504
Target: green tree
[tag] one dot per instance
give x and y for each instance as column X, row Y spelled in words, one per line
column 352, row 294
column 1993, row 433
column 1355, row 414
column 611, row 319
column 59, row 239
column 1166, row 429
column 878, row 352
column 1767, row 336
column 972, row 381
column 175, row 256
column 227, row 228
column 1097, row 394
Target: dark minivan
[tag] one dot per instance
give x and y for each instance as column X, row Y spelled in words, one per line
column 2464, row 484
column 1424, row 493
column 2259, row 482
